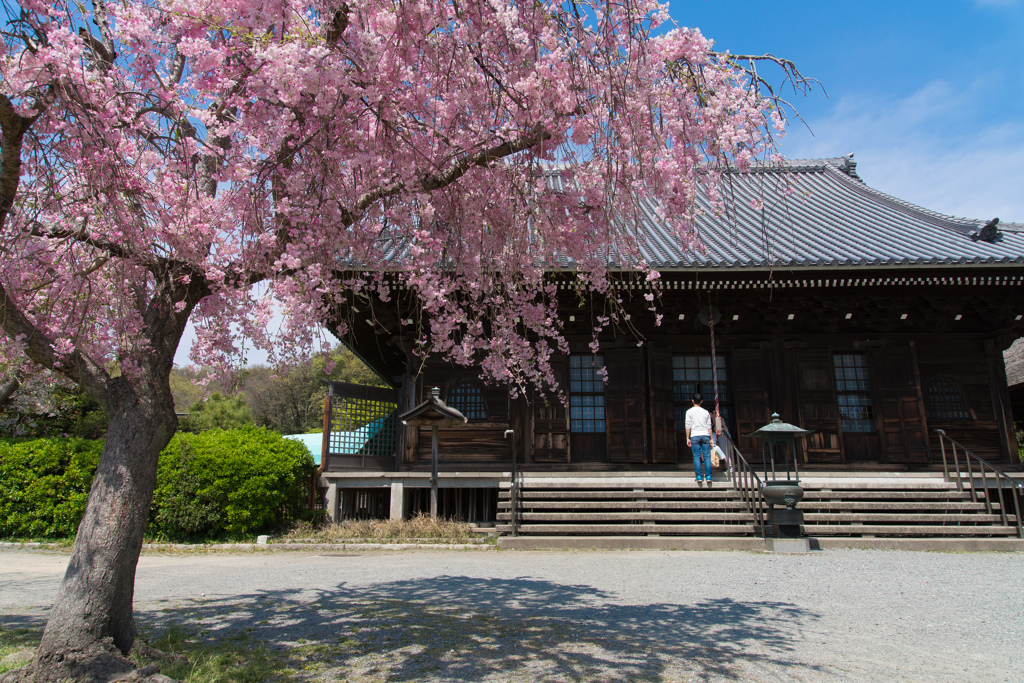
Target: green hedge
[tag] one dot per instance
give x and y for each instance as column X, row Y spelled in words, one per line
column 236, row 482
column 44, row 484
column 216, row 484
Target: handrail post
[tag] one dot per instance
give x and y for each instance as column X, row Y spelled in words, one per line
column 1002, row 500
column 956, row 464
column 942, row 445
column 1015, row 492
column 970, row 476
column 984, row 487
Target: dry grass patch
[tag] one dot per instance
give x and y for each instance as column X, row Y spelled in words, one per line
column 419, row 528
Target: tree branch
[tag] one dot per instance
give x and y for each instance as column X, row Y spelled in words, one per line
column 76, row 366
column 9, row 386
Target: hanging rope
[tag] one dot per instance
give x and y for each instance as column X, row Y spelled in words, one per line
column 714, row 364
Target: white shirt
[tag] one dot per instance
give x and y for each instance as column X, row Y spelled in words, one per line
column 698, row 421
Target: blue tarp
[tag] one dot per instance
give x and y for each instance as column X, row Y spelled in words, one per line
column 351, row 443
column 312, row 442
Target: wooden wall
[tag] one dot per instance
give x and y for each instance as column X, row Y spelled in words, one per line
column 779, row 346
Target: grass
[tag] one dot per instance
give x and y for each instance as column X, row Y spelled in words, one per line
column 238, row 659
column 235, row 659
column 66, row 542
column 419, row 528
column 16, row 639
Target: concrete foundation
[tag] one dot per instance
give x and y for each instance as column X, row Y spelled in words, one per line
column 788, row 545
column 397, row 500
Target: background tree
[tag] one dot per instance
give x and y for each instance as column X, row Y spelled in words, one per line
column 190, row 385
column 290, row 400
column 217, row 412
column 160, row 158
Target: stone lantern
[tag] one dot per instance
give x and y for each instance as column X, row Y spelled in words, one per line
column 778, row 447
column 433, row 413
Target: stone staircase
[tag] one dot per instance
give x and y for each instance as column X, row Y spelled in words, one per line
column 670, row 504
column 623, row 504
column 899, row 505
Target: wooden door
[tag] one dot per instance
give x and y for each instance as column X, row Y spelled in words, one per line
column 662, row 406
column 816, row 403
column 750, row 392
column 625, row 407
column 551, row 441
column 900, row 414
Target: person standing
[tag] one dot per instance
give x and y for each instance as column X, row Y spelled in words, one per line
column 699, row 436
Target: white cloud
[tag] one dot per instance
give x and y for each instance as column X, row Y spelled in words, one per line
column 932, row 147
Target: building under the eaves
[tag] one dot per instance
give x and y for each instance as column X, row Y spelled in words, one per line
column 864, row 318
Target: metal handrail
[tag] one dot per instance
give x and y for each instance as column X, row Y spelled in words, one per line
column 985, row 468
column 746, row 481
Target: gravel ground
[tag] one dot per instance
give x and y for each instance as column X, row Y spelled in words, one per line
column 853, row 615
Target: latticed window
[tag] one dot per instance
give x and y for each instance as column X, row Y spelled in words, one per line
column 946, row 400
column 691, row 374
column 467, row 398
column 586, row 394
column 363, row 420
column 855, row 411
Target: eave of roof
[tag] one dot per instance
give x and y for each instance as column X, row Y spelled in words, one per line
column 819, row 214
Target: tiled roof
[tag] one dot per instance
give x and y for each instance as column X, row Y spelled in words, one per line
column 819, row 213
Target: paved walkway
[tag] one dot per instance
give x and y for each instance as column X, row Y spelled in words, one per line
column 849, row 615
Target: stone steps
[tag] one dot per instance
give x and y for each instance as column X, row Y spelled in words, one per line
column 808, row 505
column 631, row 529
column 635, row 516
column 666, row 504
column 898, row 530
column 724, row 504
column 900, row 518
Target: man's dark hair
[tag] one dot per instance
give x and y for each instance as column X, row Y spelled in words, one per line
column 698, row 398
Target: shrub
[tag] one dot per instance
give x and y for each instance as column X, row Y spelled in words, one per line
column 44, row 485
column 234, row 483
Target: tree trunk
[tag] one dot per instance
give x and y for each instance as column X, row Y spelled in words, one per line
column 93, row 608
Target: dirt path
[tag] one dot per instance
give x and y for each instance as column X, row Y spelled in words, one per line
column 555, row 616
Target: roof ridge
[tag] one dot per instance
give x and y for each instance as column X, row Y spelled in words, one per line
column 959, row 224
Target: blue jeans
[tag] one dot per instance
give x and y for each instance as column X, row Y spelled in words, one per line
column 701, row 446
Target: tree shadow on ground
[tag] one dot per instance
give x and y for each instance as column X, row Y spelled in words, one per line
column 457, row 628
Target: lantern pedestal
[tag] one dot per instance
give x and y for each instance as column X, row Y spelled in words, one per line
column 786, row 521
column 788, row 545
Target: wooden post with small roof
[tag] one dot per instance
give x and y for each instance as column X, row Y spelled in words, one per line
column 433, row 413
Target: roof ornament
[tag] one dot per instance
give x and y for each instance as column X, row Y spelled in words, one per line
column 987, row 233
column 849, row 166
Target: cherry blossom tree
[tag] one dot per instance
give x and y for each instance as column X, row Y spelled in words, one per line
column 167, row 161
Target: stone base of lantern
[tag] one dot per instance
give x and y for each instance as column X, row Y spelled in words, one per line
column 788, row 545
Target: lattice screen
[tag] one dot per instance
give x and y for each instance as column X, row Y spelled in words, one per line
column 364, row 421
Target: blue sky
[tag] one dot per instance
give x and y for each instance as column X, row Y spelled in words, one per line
column 929, row 96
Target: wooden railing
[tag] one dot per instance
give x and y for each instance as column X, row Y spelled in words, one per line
column 745, row 481
column 1002, row 482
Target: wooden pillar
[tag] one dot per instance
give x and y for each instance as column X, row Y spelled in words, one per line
column 332, row 502
column 1000, row 394
column 433, row 472
column 412, row 433
column 325, row 442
